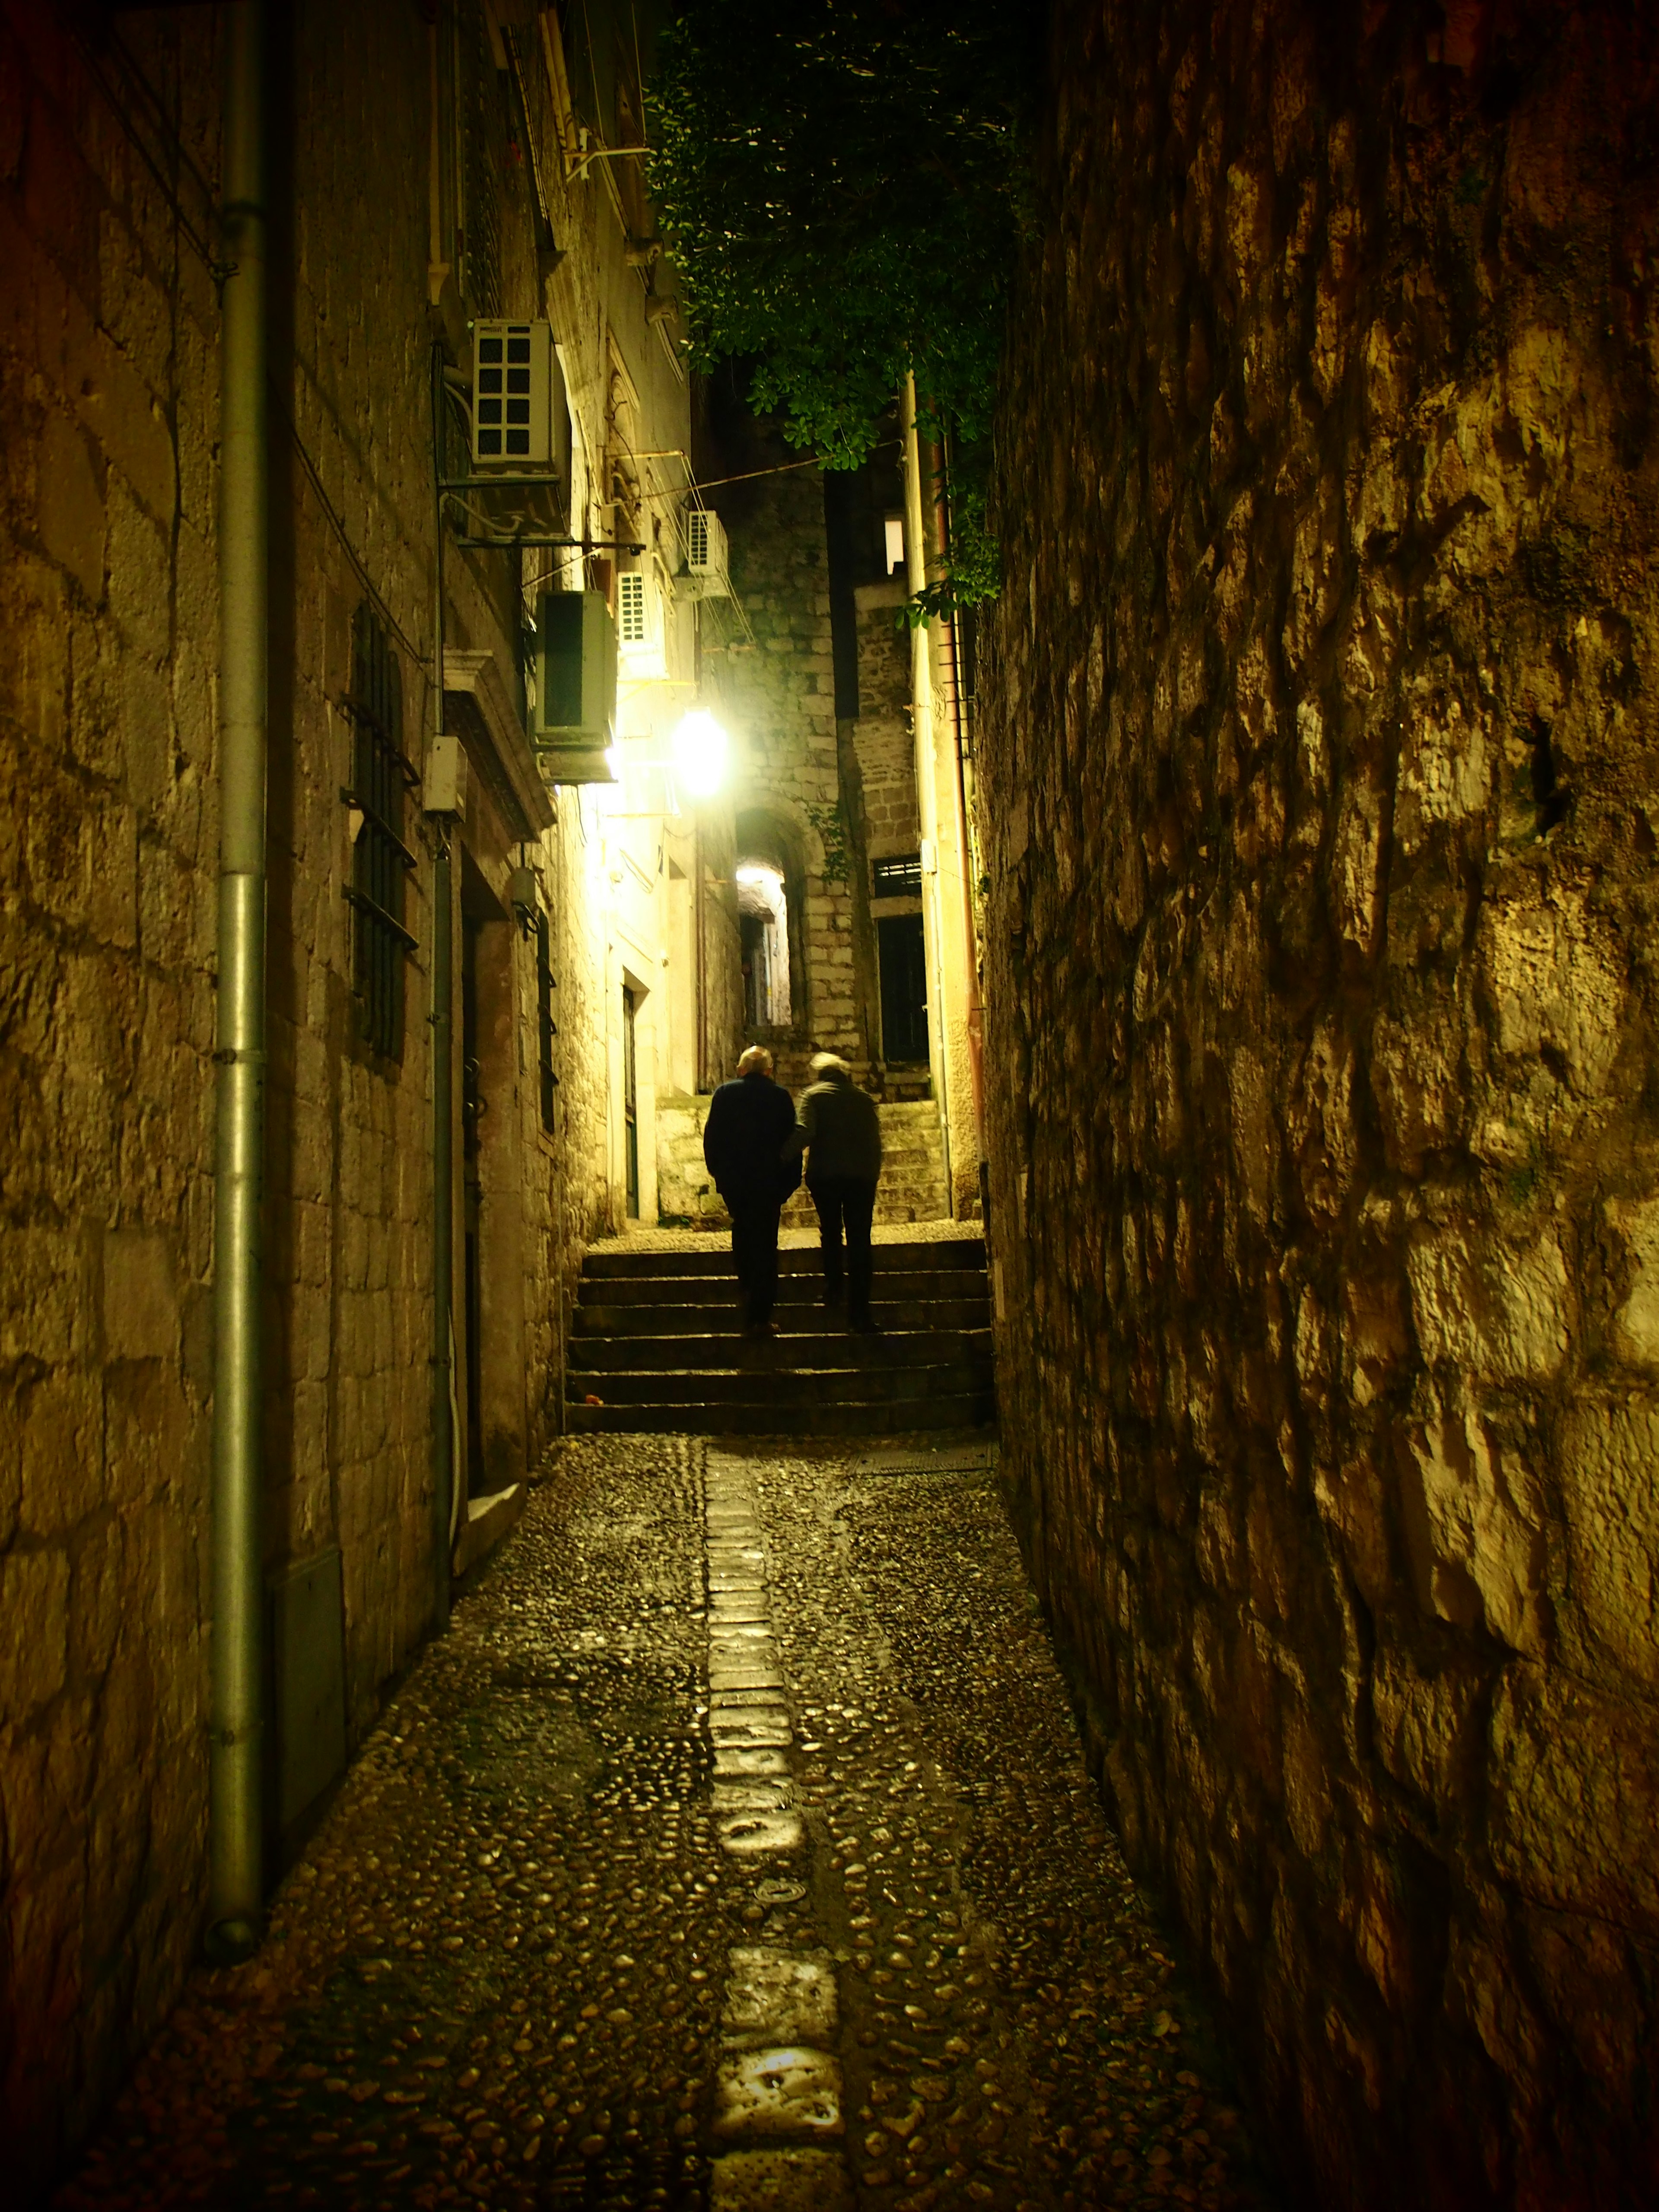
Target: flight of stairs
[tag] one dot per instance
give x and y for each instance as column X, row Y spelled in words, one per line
column 657, row 1345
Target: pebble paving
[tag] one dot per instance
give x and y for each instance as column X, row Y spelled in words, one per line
column 734, row 1849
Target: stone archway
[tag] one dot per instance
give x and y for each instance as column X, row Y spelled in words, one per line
column 771, row 879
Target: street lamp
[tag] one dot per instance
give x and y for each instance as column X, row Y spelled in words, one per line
column 700, row 749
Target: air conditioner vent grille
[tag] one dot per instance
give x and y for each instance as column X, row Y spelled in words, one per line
column 630, row 608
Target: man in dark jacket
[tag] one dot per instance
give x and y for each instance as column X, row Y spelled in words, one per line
column 750, row 1122
column 841, row 1131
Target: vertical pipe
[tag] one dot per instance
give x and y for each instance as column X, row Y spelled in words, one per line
column 443, row 1102
column 922, row 686
column 950, row 662
column 235, row 1871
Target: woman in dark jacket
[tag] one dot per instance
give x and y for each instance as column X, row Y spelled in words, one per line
column 840, row 1132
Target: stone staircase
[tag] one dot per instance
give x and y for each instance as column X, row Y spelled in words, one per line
column 657, row 1345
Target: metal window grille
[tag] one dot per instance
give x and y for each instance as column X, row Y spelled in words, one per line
column 380, row 777
column 900, row 877
column 546, row 1028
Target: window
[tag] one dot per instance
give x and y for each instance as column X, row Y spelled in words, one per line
column 546, row 1028
column 380, row 858
column 899, row 878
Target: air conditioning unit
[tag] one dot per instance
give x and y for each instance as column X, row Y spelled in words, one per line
column 631, row 623
column 706, row 555
column 516, row 386
column 574, row 675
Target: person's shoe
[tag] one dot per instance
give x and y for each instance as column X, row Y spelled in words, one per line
column 760, row 1330
column 862, row 1325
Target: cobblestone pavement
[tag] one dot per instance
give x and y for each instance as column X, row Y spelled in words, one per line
column 735, row 1848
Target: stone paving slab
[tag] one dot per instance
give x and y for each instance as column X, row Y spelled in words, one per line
column 557, row 1944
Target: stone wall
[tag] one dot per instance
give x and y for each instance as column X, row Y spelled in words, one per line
column 108, row 897
column 779, row 698
column 108, row 835
column 1321, row 795
column 886, row 749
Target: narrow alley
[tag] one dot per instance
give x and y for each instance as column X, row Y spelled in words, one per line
column 735, row 1847
column 829, row 1140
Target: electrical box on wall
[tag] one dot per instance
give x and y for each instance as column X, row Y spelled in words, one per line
column 443, row 787
column 518, row 392
column 574, row 677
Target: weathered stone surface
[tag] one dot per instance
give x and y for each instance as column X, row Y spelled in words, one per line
column 779, row 2181
column 1318, row 791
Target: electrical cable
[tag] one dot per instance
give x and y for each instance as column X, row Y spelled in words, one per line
column 331, row 516
column 216, row 269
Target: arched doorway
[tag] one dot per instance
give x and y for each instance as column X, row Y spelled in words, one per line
column 763, row 920
column 771, row 915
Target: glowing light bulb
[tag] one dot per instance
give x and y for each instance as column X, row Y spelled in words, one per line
column 701, row 747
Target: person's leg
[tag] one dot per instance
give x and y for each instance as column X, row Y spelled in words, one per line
column 859, row 1202
column 748, row 1248
column 827, row 1197
column 763, row 1296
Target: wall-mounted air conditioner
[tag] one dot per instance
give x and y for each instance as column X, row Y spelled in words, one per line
column 632, row 625
column 706, row 555
column 574, row 681
column 517, row 393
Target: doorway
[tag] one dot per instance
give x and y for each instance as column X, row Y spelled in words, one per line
column 901, row 950
column 763, row 918
column 630, row 1102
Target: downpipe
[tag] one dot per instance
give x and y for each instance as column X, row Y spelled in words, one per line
column 444, row 1485
column 236, row 1811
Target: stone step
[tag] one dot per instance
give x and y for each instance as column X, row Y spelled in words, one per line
column 657, row 1341
column 943, row 1255
column 693, row 1417
column 831, row 1347
column 711, row 1319
column 801, row 1286
column 762, row 1385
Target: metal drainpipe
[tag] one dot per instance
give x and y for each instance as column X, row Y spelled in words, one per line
column 926, row 780
column 235, row 1856
column 443, row 1102
column 949, row 662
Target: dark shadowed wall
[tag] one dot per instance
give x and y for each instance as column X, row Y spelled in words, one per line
column 1321, row 780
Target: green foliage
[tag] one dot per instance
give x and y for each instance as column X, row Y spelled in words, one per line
column 830, row 823
column 843, row 184
column 972, row 566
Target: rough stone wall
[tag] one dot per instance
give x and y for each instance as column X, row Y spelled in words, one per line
column 886, row 749
column 1321, row 793
column 780, row 698
column 348, row 1174
column 107, row 840
column 108, row 860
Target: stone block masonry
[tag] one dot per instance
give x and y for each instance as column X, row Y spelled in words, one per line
column 1319, row 789
column 779, row 699
column 109, row 863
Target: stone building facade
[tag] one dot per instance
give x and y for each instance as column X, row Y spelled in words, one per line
column 842, row 769
column 1319, row 761
column 425, row 173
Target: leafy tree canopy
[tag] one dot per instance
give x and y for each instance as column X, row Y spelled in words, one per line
column 842, row 181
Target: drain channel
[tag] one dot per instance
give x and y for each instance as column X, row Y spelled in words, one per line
column 778, row 2094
